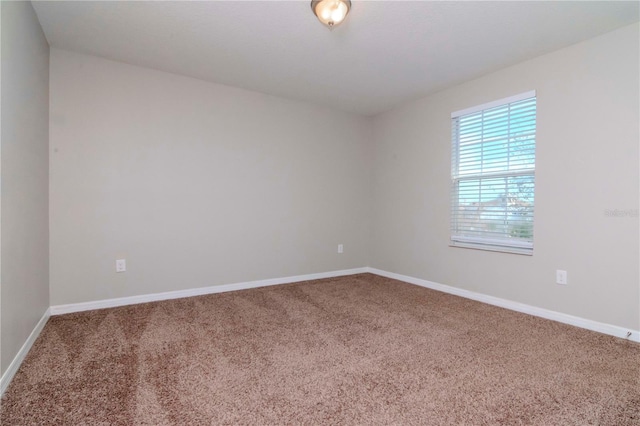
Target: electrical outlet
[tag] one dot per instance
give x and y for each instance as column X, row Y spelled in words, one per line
column 340, row 248
column 561, row 277
column 121, row 265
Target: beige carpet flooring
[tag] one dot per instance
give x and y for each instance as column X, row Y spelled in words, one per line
column 356, row 350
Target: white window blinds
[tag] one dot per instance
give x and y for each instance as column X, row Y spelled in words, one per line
column 493, row 175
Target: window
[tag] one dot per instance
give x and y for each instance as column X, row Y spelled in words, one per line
column 493, row 175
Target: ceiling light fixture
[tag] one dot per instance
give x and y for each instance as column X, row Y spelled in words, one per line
column 331, row 12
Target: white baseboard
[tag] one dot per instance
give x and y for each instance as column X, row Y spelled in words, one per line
column 132, row 300
column 600, row 327
column 609, row 329
column 22, row 353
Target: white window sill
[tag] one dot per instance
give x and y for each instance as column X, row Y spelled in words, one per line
column 489, row 247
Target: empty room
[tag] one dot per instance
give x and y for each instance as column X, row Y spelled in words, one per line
column 320, row 212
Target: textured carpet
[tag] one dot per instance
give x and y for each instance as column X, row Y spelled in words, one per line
column 353, row 350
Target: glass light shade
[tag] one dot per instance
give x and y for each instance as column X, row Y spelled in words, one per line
column 331, row 12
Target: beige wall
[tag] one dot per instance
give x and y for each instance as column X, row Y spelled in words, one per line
column 195, row 184
column 25, row 168
column 198, row 184
column 587, row 162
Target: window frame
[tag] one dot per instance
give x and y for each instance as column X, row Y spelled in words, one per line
column 516, row 246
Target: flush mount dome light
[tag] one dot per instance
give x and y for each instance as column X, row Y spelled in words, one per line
column 331, row 12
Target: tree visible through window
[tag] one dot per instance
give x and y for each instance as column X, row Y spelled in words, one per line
column 493, row 175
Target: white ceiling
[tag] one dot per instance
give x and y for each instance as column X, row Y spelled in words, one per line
column 385, row 53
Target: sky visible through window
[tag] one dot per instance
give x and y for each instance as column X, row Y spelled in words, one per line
column 493, row 141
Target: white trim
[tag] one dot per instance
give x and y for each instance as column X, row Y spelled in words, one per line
column 491, row 247
column 600, row 327
column 22, row 353
column 154, row 297
column 609, row 329
column 500, row 242
column 504, row 101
